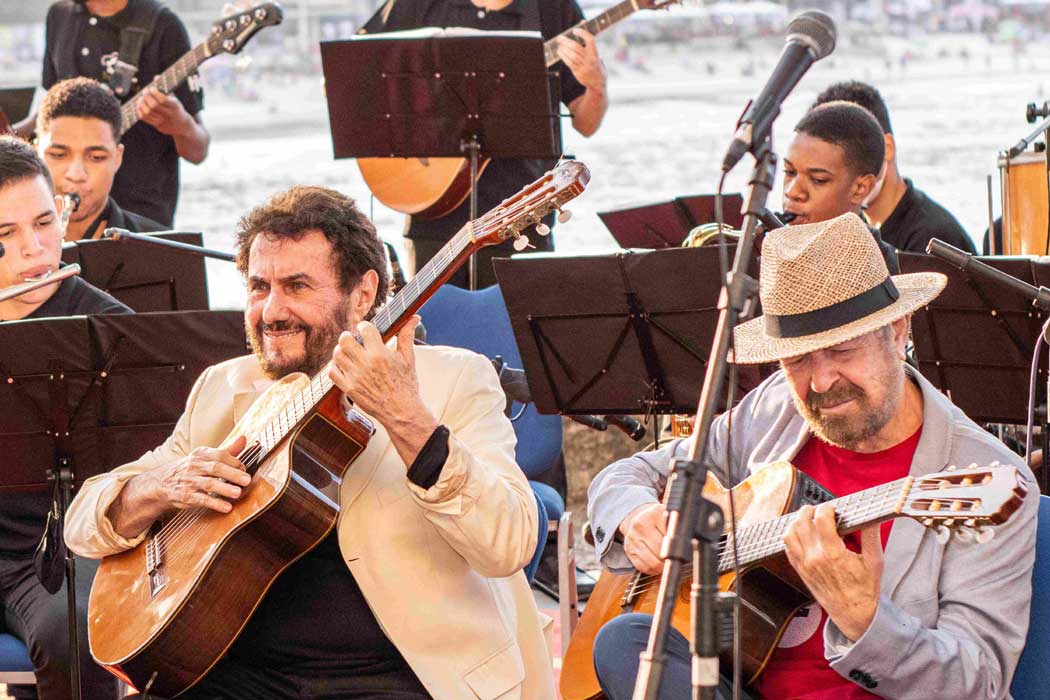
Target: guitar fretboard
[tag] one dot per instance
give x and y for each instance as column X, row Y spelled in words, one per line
column 594, row 26
column 166, row 82
column 765, row 539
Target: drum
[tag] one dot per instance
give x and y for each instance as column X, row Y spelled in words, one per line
column 1026, row 204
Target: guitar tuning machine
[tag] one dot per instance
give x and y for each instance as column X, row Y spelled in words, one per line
column 543, row 229
column 985, row 534
column 965, row 535
column 943, row 534
column 564, row 215
column 521, row 242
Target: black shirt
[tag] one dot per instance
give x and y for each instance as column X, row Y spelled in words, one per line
column 917, row 218
column 116, row 217
column 313, row 630
column 503, row 176
column 23, row 515
column 81, row 44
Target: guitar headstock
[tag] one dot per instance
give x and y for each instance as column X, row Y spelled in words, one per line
column 556, row 187
column 965, row 500
column 230, row 34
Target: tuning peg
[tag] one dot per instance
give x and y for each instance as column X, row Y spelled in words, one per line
column 521, row 243
column 951, row 468
column 543, row 229
column 564, row 215
column 927, row 522
column 943, row 534
column 964, row 535
column 985, row 534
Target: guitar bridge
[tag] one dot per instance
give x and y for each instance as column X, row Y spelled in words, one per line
column 155, row 561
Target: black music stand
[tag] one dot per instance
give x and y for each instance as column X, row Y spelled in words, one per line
column 433, row 93
column 975, row 341
column 16, row 102
column 667, row 224
column 85, row 394
column 648, row 317
column 145, row 277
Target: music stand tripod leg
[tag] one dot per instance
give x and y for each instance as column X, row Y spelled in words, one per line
column 63, row 475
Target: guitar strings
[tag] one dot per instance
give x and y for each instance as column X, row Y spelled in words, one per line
column 768, row 543
column 772, row 544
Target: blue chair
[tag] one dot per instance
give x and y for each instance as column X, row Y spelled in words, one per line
column 1030, row 678
column 15, row 666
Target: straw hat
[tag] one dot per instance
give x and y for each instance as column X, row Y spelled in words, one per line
column 823, row 284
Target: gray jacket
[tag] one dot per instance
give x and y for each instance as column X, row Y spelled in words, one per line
column 952, row 618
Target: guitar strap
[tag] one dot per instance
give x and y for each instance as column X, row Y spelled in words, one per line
column 136, row 27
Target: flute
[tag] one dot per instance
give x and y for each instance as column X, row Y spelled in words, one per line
column 56, row 276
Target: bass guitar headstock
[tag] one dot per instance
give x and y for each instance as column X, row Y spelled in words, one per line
column 966, row 501
column 230, row 34
column 513, row 215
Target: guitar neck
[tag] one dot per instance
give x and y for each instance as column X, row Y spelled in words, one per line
column 389, row 320
column 594, row 26
column 766, row 539
column 166, row 82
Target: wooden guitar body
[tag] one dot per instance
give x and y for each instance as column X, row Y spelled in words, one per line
column 428, row 188
column 160, row 615
column 770, row 594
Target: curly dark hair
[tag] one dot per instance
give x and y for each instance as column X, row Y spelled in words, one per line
column 294, row 212
column 859, row 93
column 18, row 161
column 80, row 97
column 851, row 127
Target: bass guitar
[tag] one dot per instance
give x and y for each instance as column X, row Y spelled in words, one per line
column 430, row 188
column 228, row 35
column 163, row 613
column 964, row 500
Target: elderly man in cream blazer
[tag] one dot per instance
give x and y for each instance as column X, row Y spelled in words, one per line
column 419, row 592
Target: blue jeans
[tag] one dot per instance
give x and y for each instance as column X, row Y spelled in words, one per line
column 616, row 650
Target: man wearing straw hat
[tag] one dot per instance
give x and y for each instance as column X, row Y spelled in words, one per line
column 897, row 613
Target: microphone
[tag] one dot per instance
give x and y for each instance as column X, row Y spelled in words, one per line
column 1040, row 296
column 516, row 388
column 631, row 427
column 810, row 37
column 512, row 381
column 592, row 422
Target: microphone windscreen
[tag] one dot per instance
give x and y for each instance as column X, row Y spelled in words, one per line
column 816, row 30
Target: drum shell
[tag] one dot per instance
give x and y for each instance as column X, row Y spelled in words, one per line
column 1026, row 204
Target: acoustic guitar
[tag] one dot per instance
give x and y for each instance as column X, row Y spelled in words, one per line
column 964, row 500
column 228, row 35
column 160, row 615
column 430, row 188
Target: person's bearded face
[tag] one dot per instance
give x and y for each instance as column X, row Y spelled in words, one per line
column 317, row 344
column 865, row 385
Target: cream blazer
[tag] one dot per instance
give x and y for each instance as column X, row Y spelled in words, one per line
column 440, row 567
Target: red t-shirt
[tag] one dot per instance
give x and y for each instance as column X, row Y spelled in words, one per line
column 797, row 669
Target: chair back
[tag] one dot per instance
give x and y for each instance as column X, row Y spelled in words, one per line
column 478, row 321
column 1030, row 677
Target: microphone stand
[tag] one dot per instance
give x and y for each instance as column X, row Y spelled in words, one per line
column 694, row 526
column 119, row 234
